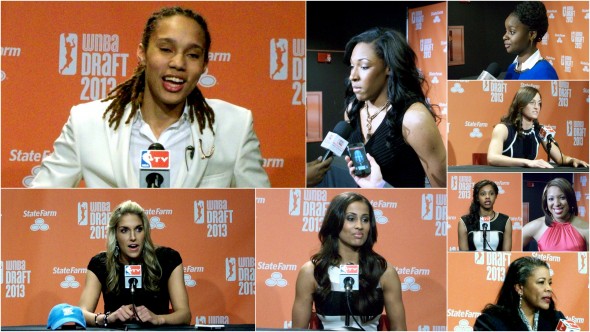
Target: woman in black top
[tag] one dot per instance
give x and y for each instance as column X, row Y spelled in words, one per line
column 497, row 235
column 525, row 301
column 162, row 276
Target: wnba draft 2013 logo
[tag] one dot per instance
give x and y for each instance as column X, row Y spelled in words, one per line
column 242, row 270
column 295, row 202
column 279, row 65
column 95, row 215
column 68, row 53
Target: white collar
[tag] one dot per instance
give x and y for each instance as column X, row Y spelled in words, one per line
column 530, row 62
column 183, row 117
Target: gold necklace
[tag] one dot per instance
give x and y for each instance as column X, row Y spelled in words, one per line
column 371, row 117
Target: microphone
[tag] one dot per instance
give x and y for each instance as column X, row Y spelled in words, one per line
column 567, row 325
column 154, row 168
column 547, row 134
column 335, row 142
column 349, row 281
column 490, row 73
column 484, row 223
column 132, row 277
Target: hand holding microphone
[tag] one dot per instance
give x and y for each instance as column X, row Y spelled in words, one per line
column 490, row 73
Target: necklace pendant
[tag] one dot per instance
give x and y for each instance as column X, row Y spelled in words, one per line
column 368, row 137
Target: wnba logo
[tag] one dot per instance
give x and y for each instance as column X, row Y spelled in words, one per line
column 230, row 268
column 278, row 59
column 68, row 50
column 427, row 206
column 199, row 207
column 82, row 213
column 583, row 262
column 295, row 202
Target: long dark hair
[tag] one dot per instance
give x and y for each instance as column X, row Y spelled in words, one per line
column 566, row 187
column 473, row 215
column 371, row 264
column 131, row 91
column 507, row 302
column 521, row 99
column 405, row 84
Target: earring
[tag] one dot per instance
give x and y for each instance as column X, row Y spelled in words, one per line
column 519, row 300
column 117, row 250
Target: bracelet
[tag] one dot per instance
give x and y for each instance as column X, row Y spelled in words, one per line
column 106, row 318
column 96, row 318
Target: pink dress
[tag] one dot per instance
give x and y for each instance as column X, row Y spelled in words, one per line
column 562, row 237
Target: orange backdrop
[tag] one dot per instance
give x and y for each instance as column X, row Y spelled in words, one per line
column 427, row 36
column 565, row 44
column 411, row 228
column 460, row 193
column 49, row 236
column 475, row 279
column 477, row 106
column 37, row 96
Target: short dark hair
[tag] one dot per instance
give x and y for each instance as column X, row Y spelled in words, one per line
column 534, row 15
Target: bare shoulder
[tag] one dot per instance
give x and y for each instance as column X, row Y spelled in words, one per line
column 417, row 115
column 389, row 276
column 580, row 224
column 533, row 227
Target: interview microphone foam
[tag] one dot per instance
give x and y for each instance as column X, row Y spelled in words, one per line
column 337, row 140
column 154, row 167
column 491, row 73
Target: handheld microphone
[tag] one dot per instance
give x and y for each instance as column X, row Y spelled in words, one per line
column 335, row 142
column 490, row 73
column 133, row 277
column 154, row 167
column 567, row 325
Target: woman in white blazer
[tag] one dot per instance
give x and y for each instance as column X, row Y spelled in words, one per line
column 212, row 143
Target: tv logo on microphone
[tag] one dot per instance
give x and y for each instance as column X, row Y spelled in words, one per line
column 133, row 270
column 155, row 159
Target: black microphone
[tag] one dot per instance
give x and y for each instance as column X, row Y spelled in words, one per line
column 485, row 229
column 337, row 138
column 490, row 73
column 348, row 282
column 154, row 167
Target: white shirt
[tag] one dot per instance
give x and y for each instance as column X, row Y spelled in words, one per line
column 175, row 138
column 530, row 62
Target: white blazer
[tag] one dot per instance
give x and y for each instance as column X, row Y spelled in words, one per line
column 91, row 150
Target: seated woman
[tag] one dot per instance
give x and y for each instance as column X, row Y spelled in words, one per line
column 516, row 139
column 560, row 229
column 525, row 301
column 347, row 236
column 525, row 27
column 498, row 235
column 129, row 243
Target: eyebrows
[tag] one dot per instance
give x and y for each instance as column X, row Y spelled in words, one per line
column 175, row 42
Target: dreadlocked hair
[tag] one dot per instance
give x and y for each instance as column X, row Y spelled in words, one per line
column 131, row 91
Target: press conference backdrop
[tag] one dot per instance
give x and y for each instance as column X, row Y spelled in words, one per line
column 67, row 53
column 460, row 196
column 477, row 106
column 411, row 229
column 475, row 280
column 427, row 35
column 49, row 236
column 565, row 44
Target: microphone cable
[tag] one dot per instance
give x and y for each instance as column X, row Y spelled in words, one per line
column 348, row 298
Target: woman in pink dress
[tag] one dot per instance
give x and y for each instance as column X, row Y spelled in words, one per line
column 560, row 229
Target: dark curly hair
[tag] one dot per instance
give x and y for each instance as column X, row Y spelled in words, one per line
column 131, row 91
column 534, row 15
column 406, row 84
column 371, row 264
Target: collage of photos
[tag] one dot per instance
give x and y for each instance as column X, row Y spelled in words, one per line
column 295, row 165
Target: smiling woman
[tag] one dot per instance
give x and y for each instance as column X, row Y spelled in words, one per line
column 129, row 243
column 103, row 140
